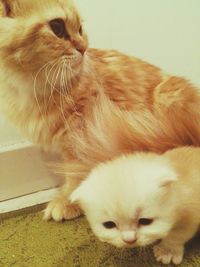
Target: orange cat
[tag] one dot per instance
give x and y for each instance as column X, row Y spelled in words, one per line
column 88, row 105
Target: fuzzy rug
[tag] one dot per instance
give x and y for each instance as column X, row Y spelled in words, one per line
column 28, row 241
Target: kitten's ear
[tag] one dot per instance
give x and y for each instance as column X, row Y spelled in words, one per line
column 168, row 180
column 83, row 193
column 75, row 197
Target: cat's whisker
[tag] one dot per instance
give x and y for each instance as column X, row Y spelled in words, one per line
column 51, row 82
column 70, row 75
column 65, row 89
column 66, row 85
column 48, row 72
column 53, row 86
column 46, row 88
column 59, row 72
column 69, row 83
column 63, row 82
column 35, row 89
column 62, row 96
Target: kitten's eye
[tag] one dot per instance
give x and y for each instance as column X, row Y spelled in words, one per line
column 58, row 28
column 145, row 221
column 109, row 225
column 81, row 30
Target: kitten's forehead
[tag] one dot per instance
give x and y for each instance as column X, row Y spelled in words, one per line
column 127, row 184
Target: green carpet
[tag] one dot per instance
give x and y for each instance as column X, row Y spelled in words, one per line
column 28, row 241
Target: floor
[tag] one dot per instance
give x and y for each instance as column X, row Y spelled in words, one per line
column 28, row 241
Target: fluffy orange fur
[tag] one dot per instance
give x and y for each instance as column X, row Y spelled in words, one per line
column 87, row 104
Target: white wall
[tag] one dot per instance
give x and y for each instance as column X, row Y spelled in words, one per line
column 163, row 32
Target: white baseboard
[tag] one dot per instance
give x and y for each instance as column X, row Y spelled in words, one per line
column 27, row 201
column 25, row 180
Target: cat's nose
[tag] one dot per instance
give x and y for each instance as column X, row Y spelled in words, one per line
column 80, row 46
column 81, row 50
column 129, row 237
column 130, row 241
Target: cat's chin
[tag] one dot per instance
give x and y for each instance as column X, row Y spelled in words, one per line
column 124, row 245
column 74, row 61
column 120, row 244
column 139, row 243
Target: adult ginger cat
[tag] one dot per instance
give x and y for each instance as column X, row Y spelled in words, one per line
column 89, row 105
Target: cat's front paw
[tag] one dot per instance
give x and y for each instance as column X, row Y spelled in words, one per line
column 166, row 255
column 60, row 209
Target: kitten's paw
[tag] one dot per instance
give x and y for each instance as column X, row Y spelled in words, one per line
column 59, row 209
column 167, row 255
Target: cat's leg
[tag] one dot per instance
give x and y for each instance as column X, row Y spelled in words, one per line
column 171, row 248
column 60, row 208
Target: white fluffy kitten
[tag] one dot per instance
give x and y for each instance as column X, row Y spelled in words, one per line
column 138, row 199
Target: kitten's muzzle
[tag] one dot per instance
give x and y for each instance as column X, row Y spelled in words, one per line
column 130, row 242
column 129, row 237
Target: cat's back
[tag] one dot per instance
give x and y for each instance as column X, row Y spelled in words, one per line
column 127, row 80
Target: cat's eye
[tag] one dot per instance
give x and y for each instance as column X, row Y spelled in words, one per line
column 109, row 225
column 58, row 28
column 145, row 221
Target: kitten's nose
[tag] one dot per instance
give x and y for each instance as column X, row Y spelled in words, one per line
column 129, row 237
column 130, row 242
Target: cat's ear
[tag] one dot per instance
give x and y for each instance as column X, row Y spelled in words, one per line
column 6, row 7
column 168, row 180
column 9, row 7
column 76, row 196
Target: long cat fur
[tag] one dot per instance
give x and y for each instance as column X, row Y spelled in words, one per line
column 89, row 106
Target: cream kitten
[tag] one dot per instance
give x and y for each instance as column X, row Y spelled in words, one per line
column 138, row 199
